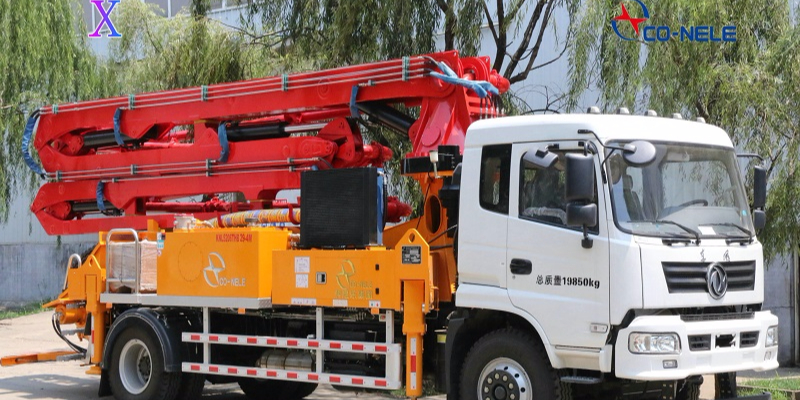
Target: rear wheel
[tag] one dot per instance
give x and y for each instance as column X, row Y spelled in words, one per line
column 264, row 389
column 191, row 386
column 304, row 390
column 509, row 365
column 137, row 367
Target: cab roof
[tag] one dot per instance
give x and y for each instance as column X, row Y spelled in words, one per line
column 533, row 128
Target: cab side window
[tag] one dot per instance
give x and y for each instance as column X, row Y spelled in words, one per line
column 495, row 178
column 542, row 193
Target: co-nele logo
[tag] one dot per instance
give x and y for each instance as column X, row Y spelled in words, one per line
column 664, row 33
column 216, row 266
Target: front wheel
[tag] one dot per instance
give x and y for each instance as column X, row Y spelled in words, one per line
column 137, row 367
column 509, row 365
column 690, row 389
column 725, row 385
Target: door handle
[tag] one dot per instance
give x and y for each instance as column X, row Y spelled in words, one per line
column 521, row 266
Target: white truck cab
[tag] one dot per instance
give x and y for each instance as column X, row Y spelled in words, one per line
column 627, row 244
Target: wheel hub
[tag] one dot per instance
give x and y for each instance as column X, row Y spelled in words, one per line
column 499, row 392
column 504, row 379
column 500, row 385
column 144, row 367
column 135, row 366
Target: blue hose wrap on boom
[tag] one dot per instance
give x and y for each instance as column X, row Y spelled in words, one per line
column 481, row 88
column 117, row 133
column 353, row 106
column 222, row 133
column 26, row 142
column 101, row 201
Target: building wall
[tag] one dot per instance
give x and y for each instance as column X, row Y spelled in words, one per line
column 32, row 263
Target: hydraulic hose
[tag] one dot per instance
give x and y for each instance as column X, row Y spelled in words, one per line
column 26, row 141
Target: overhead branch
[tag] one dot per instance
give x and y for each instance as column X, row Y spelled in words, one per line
column 501, row 41
column 450, row 21
column 278, row 34
column 512, row 13
column 701, row 109
column 526, row 39
column 535, row 51
column 773, row 159
column 489, row 21
column 556, row 58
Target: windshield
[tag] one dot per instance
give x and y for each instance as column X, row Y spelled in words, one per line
column 688, row 191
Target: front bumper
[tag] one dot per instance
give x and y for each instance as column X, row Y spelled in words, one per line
column 696, row 362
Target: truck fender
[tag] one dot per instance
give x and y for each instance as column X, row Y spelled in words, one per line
column 145, row 317
column 454, row 324
column 466, row 326
column 495, row 299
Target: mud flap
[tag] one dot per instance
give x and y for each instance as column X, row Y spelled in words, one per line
column 105, row 388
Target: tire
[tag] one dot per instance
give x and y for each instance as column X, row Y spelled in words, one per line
column 137, row 367
column 690, row 390
column 264, row 389
column 508, row 363
column 304, row 390
column 191, row 386
column 725, row 385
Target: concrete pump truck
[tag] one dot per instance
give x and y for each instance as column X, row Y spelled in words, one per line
column 554, row 256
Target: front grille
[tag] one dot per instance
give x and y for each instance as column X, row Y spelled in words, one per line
column 699, row 342
column 717, row 317
column 690, row 277
column 749, row 339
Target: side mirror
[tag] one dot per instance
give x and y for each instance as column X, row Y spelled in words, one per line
column 639, row 153
column 580, row 193
column 579, row 177
column 759, row 187
column 759, row 219
column 581, row 214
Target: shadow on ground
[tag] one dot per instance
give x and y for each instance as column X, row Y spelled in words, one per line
column 48, row 387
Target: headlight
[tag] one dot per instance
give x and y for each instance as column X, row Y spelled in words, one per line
column 772, row 336
column 654, row 343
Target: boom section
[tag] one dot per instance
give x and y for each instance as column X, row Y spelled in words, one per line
column 117, row 162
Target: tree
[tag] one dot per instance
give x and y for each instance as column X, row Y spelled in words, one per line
column 776, row 134
column 43, row 61
column 347, row 32
column 748, row 87
column 157, row 53
column 46, row 62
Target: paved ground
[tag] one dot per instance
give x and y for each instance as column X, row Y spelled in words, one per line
column 67, row 380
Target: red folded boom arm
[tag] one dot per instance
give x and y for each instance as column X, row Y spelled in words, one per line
column 253, row 137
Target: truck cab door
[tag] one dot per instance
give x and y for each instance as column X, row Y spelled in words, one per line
column 564, row 286
column 483, row 224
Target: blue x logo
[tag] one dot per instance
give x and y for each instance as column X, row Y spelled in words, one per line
column 106, row 20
